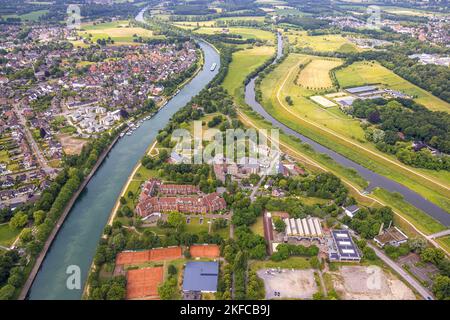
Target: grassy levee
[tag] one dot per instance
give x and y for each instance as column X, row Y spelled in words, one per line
column 444, row 242
column 420, row 219
column 431, row 185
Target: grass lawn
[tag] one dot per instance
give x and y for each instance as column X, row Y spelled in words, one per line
column 445, row 242
column 7, row 235
column 290, row 263
column 244, row 62
column 246, row 33
column 417, row 217
column 119, row 31
column 258, row 226
column 361, row 73
column 325, row 43
column 322, row 125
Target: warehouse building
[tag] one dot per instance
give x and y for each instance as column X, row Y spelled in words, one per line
column 342, row 248
column 306, row 228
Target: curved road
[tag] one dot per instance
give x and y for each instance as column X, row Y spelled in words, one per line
column 375, row 179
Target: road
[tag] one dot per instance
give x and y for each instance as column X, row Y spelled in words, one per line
column 439, row 234
column 37, row 152
column 255, row 189
column 406, row 276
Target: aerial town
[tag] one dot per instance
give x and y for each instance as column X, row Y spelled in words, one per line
column 224, row 150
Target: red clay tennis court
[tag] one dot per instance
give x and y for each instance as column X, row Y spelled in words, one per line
column 136, row 257
column 205, row 251
column 143, row 283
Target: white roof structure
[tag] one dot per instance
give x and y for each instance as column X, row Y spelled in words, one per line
column 306, row 228
column 300, row 227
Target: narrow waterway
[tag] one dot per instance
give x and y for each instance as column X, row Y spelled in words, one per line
column 373, row 178
column 77, row 240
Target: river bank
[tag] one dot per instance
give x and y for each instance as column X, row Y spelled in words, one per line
column 62, row 218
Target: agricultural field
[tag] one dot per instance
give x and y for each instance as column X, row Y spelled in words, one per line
column 409, row 11
column 212, row 23
column 334, row 129
column 246, row 33
column 32, row 16
column 244, row 62
column 316, row 74
column 325, row 43
column 362, row 73
column 119, row 31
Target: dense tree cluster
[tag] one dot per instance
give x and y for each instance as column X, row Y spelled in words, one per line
column 404, row 120
column 285, row 250
column 367, row 221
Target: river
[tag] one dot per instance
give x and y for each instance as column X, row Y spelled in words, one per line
column 78, row 238
column 374, row 179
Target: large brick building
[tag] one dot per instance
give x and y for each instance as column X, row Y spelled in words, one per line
column 159, row 197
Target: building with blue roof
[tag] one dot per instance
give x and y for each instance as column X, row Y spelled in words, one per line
column 201, row 276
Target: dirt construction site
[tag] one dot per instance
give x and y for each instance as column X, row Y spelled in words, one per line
column 287, row 283
column 369, row 283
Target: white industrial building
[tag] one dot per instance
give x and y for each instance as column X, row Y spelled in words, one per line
column 303, row 228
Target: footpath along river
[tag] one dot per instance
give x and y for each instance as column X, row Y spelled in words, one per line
column 77, row 239
column 374, row 179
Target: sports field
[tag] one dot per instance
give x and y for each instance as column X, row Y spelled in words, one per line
column 205, row 251
column 316, row 74
column 137, row 257
column 244, row 62
column 119, row 31
column 362, row 73
column 326, row 43
column 143, row 283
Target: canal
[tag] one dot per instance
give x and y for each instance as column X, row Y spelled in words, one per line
column 374, row 179
column 77, row 239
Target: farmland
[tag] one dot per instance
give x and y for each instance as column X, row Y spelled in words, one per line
column 119, row 31
column 32, row 16
column 316, row 74
column 361, row 73
column 246, row 33
column 325, row 43
column 244, row 62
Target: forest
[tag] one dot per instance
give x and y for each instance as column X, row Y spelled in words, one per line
column 397, row 121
